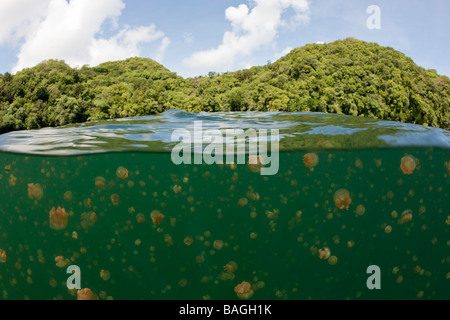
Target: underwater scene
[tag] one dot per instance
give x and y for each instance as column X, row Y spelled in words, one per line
column 111, row 201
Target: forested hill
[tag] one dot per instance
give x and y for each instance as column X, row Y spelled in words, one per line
column 348, row 76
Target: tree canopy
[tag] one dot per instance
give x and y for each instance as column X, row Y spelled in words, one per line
column 348, row 76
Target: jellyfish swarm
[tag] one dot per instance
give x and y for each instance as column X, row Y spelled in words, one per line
column 58, row 218
column 35, row 191
column 408, row 164
column 342, row 199
column 310, row 160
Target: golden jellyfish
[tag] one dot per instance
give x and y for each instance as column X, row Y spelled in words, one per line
column 324, row 253
column 88, row 219
column 342, row 199
column 105, row 275
column 68, row 196
column 3, row 256
column 100, row 182
column 115, row 199
column 242, row 202
column 406, row 216
column 157, row 217
column 58, row 218
column 188, row 240
column 12, row 180
column 35, row 191
column 122, row 173
column 218, row 244
column 360, row 210
column 231, row 267
column 255, row 163
column 243, row 290
column 140, row 218
column 332, row 260
column 61, row 262
column 86, row 294
column 408, row 164
column 447, row 165
column 311, row 160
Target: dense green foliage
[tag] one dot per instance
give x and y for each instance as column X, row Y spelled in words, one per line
column 349, row 77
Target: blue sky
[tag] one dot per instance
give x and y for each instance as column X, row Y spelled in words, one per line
column 197, row 36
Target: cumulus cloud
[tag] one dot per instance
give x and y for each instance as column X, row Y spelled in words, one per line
column 72, row 31
column 252, row 29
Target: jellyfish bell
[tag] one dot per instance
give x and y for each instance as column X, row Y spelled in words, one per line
column 243, row 290
column 100, row 182
column 406, row 216
column 342, row 199
column 157, row 217
column 86, row 294
column 408, row 164
column 58, row 218
column 310, row 160
column 324, row 253
column 35, row 191
column 122, row 172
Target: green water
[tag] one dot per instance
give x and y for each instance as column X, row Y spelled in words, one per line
column 270, row 227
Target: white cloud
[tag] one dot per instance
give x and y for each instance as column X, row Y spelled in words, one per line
column 18, row 17
column 252, row 29
column 72, row 31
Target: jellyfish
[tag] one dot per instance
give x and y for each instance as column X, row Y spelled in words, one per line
column 105, row 274
column 88, row 219
column 35, row 191
column 360, row 210
column 100, row 182
column 218, row 244
column 157, row 217
column 332, row 260
column 68, row 196
column 115, row 199
column 61, row 262
column 408, row 164
column 58, row 218
column 447, row 165
column 406, row 216
column 310, row 160
column 388, row 229
column 242, row 202
column 12, row 180
column 188, row 240
column 140, row 218
column 3, row 256
column 231, row 267
column 324, row 253
column 122, row 173
column 243, row 290
column 86, row 294
column 342, row 199
column 255, row 163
